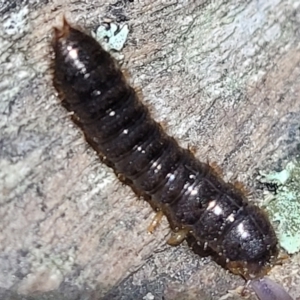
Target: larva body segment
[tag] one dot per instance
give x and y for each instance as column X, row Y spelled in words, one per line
column 119, row 127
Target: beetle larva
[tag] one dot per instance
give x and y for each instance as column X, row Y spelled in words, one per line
column 198, row 204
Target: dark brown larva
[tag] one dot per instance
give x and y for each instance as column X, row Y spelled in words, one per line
column 200, row 207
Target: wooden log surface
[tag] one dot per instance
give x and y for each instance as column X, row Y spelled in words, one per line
column 222, row 76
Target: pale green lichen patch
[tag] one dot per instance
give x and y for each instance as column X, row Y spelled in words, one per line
column 283, row 205
column 111, row 36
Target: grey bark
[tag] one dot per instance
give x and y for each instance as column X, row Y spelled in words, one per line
column 223, row 76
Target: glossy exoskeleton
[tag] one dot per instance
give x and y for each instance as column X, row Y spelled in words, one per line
column 199, row 205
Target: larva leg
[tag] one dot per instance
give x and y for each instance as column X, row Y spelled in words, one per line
column 216, row 169
column 123, row 178
column 178, row 237
column 281, row 259
column 192, row 149
column 155, row 222
column 241, row 188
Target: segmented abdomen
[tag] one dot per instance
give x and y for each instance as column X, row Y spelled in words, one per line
column 121, row 130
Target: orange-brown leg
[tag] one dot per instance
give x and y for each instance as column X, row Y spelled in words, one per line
column 216, row 169
column 193, row 149
column 178, row 237
column 155, row 222
column 241, row 188
column 281, row 259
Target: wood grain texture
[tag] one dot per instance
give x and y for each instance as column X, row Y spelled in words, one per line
column 223, row 76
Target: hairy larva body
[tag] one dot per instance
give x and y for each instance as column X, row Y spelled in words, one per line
column 211, row 214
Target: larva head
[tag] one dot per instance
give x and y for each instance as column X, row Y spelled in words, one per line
column 251, row 245
column 80, row 64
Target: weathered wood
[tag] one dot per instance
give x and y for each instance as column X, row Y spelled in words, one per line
column 223, row 76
